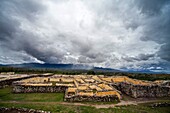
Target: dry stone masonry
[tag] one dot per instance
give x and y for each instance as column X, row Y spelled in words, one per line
column 8, row 78
column 96, row 88
column 20, row 110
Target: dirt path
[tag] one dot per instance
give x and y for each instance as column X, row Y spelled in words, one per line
column 122, row 103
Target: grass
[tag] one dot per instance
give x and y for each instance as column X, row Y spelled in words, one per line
column 46, row 103
column 6, row 95
column 56, row 108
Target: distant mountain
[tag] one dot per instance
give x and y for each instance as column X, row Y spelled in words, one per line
column 59, row 66
column 105, row 69
column 48, row 66
column 73, row 67
column 144, row 71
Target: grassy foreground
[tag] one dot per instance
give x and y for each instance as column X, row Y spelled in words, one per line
column 47, row 102
column 56, row 108
column 6, row 95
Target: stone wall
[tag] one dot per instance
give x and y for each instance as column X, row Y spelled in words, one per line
column 138, row 91
column 80, row 98
column 4, row 83
column 20, row 110
column 38, row 89
column 8, row 82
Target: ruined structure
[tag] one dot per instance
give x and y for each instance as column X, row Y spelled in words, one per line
column 6, row 79
column 140, row 89
column 93, row 88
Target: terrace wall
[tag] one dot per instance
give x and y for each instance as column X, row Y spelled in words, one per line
column 138, row 91
column 38, row 89
column 8, row 82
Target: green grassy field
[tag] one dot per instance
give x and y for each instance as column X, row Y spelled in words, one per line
column 6, row 95
column 51, row 102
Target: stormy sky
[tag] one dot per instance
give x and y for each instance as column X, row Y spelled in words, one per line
column 132, row 34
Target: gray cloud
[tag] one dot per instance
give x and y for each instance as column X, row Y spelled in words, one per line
column 110, row 34
column 140, row 57
column 158, row 25
column 151, row 7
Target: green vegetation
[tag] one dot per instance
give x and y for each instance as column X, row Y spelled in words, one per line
column 6, row 95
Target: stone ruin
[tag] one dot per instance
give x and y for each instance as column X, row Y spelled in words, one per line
column 143, row 89
column 7, row 78
column 98, row 88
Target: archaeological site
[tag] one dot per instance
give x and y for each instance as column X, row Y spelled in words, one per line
column 78, row 88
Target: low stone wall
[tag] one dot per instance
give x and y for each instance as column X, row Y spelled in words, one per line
column 138, row 91
column 21, row 110
column 5, row 83
column 8, row 82
column 38, row 89
column 163, row 104
column 79, row 98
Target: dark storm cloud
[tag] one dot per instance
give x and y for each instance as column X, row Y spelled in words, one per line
column 140, row 57
column 110, row 33
column 9, row 27
column 26, row 9
column 151, row 7
column 158, row 26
